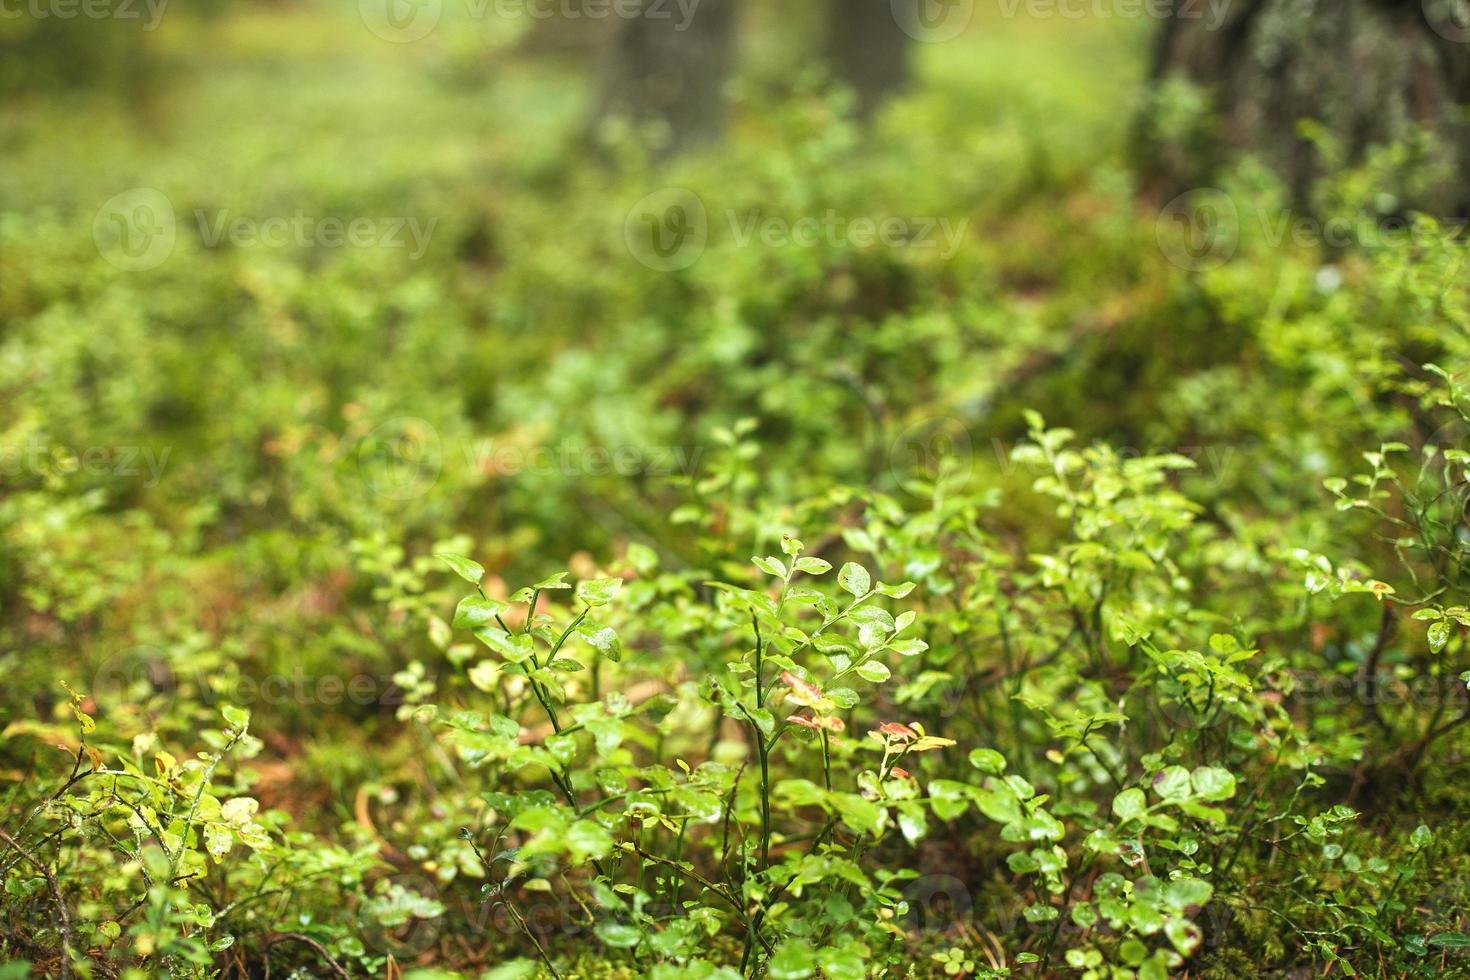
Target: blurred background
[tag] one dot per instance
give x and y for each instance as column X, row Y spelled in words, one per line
column 294, row 295
column 378, row 267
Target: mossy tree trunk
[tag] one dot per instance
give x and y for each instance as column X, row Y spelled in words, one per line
column 867, row 49
column 670, row 67
column 671, row 70
column 1367, row 72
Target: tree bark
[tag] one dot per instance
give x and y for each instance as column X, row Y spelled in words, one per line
column 671, row 69
column 1367, row 72
column 867, row 49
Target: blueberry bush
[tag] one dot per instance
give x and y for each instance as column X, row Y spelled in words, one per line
column 915, row 552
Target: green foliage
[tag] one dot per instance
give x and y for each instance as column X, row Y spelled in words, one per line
column 522, row 610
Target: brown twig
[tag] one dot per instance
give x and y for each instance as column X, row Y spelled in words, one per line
column 1368, row 676
column 61, row 910
column 307, row 940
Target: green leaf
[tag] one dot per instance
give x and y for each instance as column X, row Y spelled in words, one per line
column 218, row 840
column 598, row 591
column 948, row 798
column 238, row 718
column 476, row 611
column 1023, row 863
column 1130, row 804
column 1181, row 894
column 863, row 816
column 1173, row 783
column 602, row 639
column 470, row 571
column 619, row 934
column 873, row 671
column 842, row 964
column 1213, row 783
column 988, row 761
column 771, row 566
column 1185, row 935
column 911, row 821
column 792, row 961
column 1439, row 635
column 813, row 566
column 855, row 579
column 895, row 591
column 552, row 582
column 514, row 647
column 908, row 648
column 1450, row 940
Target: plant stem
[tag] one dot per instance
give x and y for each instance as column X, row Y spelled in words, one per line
column 764, row 752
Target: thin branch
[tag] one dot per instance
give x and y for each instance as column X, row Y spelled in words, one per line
column 61, row 910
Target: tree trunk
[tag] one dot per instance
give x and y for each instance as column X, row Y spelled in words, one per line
column 1367, row 72
column 867, row 48
column 670, row 68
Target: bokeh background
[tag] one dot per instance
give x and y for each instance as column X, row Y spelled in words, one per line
column 294, row 295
